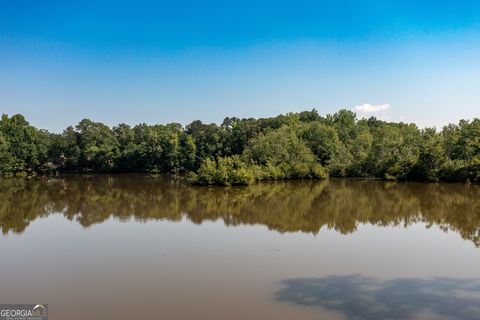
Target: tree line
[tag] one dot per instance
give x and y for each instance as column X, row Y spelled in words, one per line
column 242, row 151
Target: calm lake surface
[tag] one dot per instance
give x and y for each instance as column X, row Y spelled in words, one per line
column 140, row 247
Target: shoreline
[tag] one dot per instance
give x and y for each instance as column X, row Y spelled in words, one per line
column 183, row 178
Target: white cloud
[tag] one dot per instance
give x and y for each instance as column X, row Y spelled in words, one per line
column 380, row 109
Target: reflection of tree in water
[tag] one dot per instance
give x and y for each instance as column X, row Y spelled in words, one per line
column 283, row 206
column 364, row 298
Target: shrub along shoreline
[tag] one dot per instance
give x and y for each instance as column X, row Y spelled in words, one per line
column 301, row 145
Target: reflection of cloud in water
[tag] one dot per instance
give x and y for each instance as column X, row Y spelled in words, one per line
column 363, row 298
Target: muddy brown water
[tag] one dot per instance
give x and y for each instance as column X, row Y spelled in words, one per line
column 141, row 247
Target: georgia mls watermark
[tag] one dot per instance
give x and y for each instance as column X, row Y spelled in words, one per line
column 23, row 311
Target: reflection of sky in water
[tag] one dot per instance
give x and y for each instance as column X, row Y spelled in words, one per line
column 358, row 297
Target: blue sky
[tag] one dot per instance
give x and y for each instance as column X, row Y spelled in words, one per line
column 177, row 61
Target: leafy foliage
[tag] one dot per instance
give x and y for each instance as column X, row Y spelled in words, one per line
column 241, row 151
column 281, row 154
column 225, row 171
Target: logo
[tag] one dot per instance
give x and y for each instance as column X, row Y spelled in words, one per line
column 23, row 312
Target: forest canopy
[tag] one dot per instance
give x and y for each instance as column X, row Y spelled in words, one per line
column 242, row 151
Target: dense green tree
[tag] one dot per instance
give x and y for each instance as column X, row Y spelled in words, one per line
column 394, row 151
column 24, row 148
column 469, row 145
column 71, row 149
column 225, row 171
column 56, row 152
column 291, row 146
column 451, row 137
column 283, row 155
column 98, row 146
column 322, row 140
column 149, row 147
column 126, row 148
column 309, row 116
column 187, row 155
column 209, row 140
column 279, row 121
column 238, row 133
column 344, row 122
column 360, row 150
column 462, row 149
column 431, row 158
column 6, row 158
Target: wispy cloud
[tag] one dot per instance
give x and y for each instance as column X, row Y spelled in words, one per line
column 367, row 108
